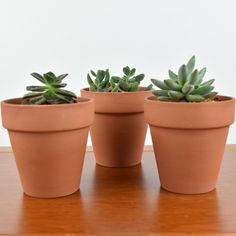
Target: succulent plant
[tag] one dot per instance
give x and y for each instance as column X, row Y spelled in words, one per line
column 103, row 82
column 186, row 86
column 51, row 92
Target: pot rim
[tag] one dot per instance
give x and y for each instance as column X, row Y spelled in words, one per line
column 228, row 100
column 116, row 93
column 81, row 101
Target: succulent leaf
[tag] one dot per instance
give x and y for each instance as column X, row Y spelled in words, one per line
column 160, row 84
column 173, row 85
column 183, row 74
column 191, row 64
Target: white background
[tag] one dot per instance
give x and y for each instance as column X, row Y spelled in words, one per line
column 78, row 35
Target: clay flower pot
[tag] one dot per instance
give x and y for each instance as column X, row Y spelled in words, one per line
column 49, row 143
column 189, row 141
column 119, row 128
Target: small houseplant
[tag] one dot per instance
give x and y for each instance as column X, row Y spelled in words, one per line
column 48, row 129
column 189, row 124
column 119, row 128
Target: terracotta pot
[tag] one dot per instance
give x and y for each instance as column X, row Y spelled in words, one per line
column 119, row 129
column 49, row 143
column 189, row 141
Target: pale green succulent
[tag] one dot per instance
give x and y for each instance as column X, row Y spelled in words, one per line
column 103, row 82
column 187, row 85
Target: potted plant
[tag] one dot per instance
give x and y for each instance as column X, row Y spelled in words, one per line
column 119, row 128
column 189, row 124
column 48, row 130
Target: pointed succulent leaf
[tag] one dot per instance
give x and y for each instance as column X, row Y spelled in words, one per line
column 172, row 75
column 66, row 93
column 203, row 90
column 161, row 93
column 49, row 79
column 183, row 74
column 187, row 88
column 61, row 77
column 191, row 64
column 193, row 78
column 201, row 74
column 116, row 88
column 31, row 95
column 173, row 85
column 160, row 84
column 210, row 95
column 149, row 87
column 194, row 98
column 36, row 88
column 176, row 96
column 207, row 83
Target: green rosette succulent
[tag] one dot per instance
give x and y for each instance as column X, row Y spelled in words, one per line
column 185, row 86
column 50, row 92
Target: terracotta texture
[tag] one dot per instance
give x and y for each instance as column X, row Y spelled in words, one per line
column 49, row 143
column 189, row 141
column 119, row 128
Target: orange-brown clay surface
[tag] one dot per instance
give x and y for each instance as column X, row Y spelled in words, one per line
column 189, row 141
column 49, row 143
column 119, row 128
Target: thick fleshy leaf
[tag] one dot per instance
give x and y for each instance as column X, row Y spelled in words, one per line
column 31, row 95
column 49, row 79
column 160, row 84
column 172, row 75
column 191, row 64
column 183, row 74
column 126, row 70
column 161, row 92
column 134, row 87
column 124, row 86
column 194, row 98
column 173, row 85
column 203, row 90
column 176, row 96
column 164, row 99
column 207, row 83
column 61, row 77
column 132, row 72
column 116, row 79
column 66, row 93
column 139, row 77
column 193, row 78
column 201, row 75
column 115, row 89
column 36, row 88
column 210, row 95
column 100, row 75
column 187, row 88
column 149, row 87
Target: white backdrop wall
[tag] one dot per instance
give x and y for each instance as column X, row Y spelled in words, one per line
column 78, row 35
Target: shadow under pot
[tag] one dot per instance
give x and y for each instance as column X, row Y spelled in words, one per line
column 49, row 143
column 189, row 141
column 119, row 128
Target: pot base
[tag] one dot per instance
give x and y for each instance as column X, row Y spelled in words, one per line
column 194, row 192
column 118, row 166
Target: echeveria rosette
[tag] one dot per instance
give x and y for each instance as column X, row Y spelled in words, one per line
column 186, row 86
column 103, row 82
column 50, row 92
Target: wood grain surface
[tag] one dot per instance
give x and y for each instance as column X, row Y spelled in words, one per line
column 119, row 201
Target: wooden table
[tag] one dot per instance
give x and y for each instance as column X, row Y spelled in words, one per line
column 125, row 201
